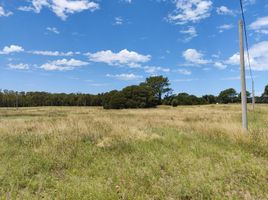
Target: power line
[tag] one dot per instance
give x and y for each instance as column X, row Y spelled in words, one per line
column 247, row 48
column 246, row 36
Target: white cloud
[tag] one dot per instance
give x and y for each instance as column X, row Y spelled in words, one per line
column 62, row 8
column 36, row 6
column 233, row 78
column 53, row 30
column 118, row 21
column 125, row 77
column 20, row 66
column 260, row 25
column 11, row 49
column 194, row 57
column 155, row 69
column 249, row 2
column 191, row 32
column 190, row 11
column 220, row 65
column 63, row 65
column 183, row 71
column 124, row 57
column 234, row 59
column 258, row 57
column 223, row 10
column 4, row 13
column 53, row 53
column 225, row 27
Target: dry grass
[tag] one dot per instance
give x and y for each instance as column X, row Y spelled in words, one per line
column 195, row 152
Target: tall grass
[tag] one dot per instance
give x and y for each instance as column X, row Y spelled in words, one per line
column 195, row 152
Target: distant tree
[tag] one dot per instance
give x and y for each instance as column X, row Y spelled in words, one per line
column 168, row 99
column 135, row 96
column 186, row 99
column 145, row 95
column 264, row 97
column 265, row 93
column 227, row 96
column 160, row 86
column 107, row 98
column 210, row 99
column 118, row 101
column 247, row 94
column 139, row 96
column 174, row 103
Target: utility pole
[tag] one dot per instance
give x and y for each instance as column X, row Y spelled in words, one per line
column 243, row 78
column 253, row 95
column 17, row 101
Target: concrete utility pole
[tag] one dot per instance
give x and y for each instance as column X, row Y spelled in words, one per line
column 253, row 95
column 243, row 78
column 17, row 101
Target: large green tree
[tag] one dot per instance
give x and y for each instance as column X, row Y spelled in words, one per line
column 227, row 96
column 210, row 99
column 160, row 86
column 265, row 93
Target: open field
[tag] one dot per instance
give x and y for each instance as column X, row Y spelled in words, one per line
column 195, row 152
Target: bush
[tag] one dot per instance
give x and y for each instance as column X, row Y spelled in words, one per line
column 117, row 101
column 130, row 97
column 174, row 103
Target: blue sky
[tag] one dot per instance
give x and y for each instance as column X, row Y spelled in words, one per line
column 94, row 46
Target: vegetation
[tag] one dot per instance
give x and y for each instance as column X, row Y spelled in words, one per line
column 30, row 99
column 134, row 96
column 227, row 96
column 159, row 85
column 185, row 99
column 154, row 91
column 188, row 152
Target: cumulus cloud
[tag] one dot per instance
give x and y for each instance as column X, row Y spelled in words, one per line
column 190, row 11
column 20, row 66
column 63, row 65
column 225, row 27
column 11, row 49
column 118, row 21
column 258, row 57
column 53, row 30
column 124, row 57
column 234, row 59
column 184, row 71
column 190, row 32
column 4, row 13
column 194, row 57
column 125, row 77
column 62, row 8
column 220, row 65
column 155, row 69
column 260, row 25
column 223, row 10
column 233, row 78
column 53, row 53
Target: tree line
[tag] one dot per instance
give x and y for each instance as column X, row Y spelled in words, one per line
column 154, row 91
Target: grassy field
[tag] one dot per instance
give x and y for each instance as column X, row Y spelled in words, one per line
column 195, row 152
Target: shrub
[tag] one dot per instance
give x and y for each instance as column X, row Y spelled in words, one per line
column 174, row 103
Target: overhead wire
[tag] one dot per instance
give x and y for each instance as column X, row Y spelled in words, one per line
column 247, row 46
